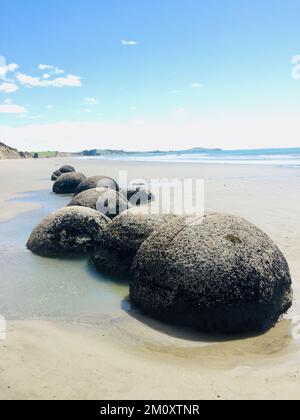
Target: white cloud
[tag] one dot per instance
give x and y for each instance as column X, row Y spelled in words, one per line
column 46, row 76
column 6, row 68
column 9, row 108
column 230, row 131
column 130, row 43
column 68, row 81
column 30, row 81
column 8, row 87
column 49, row 107
column 90, row 101
column 52, row 69
column 197, row 85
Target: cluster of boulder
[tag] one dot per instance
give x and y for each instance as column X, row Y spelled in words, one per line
column 217, row 273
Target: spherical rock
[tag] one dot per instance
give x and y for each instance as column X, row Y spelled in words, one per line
column 122, row 239
column 137, row 194
column 67, row 169
column 87, row 198
column 55, row 175
column 67, row 232
column 105, row 200
column 97, row 182
column 217, row 273
column 67, row 183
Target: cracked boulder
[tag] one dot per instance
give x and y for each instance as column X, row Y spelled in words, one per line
column 218, row 273
column 68, row 232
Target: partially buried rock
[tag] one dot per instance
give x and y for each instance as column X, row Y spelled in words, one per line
column 105, row 200
column 67, row 232
column 121, row 241
column 99, row 181
column 217, row 273
column 55, row 175
column 67, row 169
column 137, row 194
column 67, row 183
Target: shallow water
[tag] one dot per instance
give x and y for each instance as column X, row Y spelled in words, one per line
column 35, row 287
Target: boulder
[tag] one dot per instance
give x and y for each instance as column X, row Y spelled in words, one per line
column 97, row 182
column 217, row 273
column 137, row 194
column 67, row 183
column 67, row 232
column 106, row 201
column 87, row 198
column 55, row 175
column 122, row 239
column 67, row 169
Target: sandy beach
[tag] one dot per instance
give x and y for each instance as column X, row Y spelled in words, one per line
column 118, row 354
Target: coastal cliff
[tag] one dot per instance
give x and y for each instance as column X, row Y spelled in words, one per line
column 7, row 152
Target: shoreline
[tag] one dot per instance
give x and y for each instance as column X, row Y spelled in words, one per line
column 108, row 357
column 43, row 360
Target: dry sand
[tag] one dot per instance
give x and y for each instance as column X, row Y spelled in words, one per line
column 120, row 357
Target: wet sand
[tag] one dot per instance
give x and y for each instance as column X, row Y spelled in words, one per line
column 120, row 354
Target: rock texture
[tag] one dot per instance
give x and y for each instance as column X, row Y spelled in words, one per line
column 67, row 232
column 121, row 241
column 106, row 201
column 88, row 198
column 67, row 183
column 99, row 181
column 217, row 273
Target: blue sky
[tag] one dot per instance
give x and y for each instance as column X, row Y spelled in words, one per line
column 172, row 68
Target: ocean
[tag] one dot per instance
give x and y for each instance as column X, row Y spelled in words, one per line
column 283, row 157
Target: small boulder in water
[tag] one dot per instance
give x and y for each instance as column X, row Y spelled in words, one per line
column 137, row 194
column 67, row 183
column 56, row 175
column 67, row 232
column 67, row 169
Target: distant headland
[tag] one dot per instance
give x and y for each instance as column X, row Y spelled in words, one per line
column 7, row 152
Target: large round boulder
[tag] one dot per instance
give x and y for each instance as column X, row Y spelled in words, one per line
column 121, row 241
column 99, row 181
column 67, row 169
column 106, row 201
column 217, row 273
column 55, row 175
column 68, row 182
column 137, row 194
column 67, row 232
